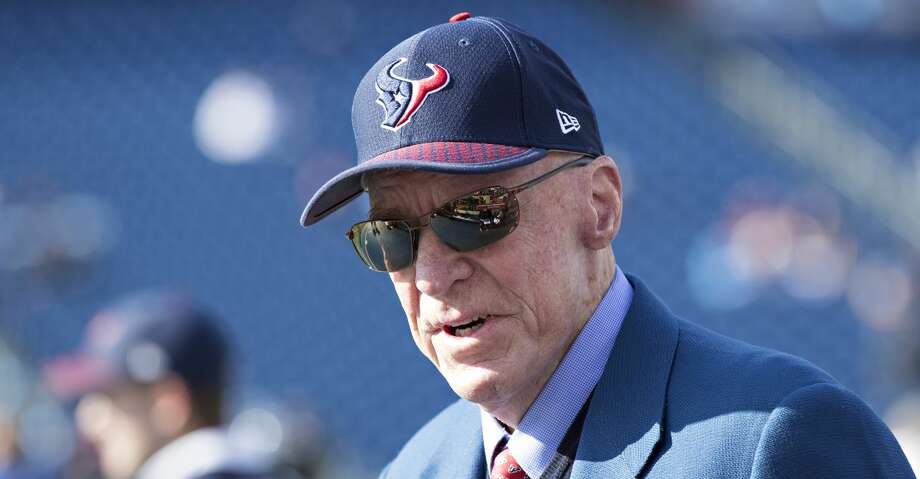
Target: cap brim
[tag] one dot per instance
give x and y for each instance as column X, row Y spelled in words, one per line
column 77, row 374
column 443, row 157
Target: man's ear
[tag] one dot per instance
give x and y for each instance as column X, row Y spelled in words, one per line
column 172, row 406
column 605, row 204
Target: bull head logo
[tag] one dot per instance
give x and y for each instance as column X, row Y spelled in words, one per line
column 401, row 97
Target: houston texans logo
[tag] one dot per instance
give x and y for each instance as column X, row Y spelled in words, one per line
column 401, row 97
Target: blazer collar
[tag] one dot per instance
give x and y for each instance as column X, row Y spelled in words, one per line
column 468, row 450
column 450, row 451
column 624, row 420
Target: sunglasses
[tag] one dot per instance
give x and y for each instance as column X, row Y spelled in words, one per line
column 465, row 223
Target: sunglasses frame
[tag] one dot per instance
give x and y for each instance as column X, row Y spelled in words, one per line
column 412, row 226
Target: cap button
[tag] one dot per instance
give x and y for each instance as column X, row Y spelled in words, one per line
column 459, row 17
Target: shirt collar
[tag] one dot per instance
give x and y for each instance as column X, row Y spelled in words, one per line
column 199, row 453
column 534, row 443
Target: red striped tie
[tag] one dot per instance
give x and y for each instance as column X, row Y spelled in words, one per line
column 505, row 467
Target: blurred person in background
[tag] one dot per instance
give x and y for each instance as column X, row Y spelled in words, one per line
column 904, row 414
column 296, row 438
column 9, row 449
column 12, row 463
column 493, row 208
column 151, row 382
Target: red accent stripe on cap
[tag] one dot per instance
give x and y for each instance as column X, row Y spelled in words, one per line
column 451, row 152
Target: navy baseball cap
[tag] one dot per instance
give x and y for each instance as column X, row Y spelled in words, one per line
column 471, row 96
column 140, row 340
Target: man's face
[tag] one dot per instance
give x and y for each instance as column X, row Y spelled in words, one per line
column 118, row 424
column 524, row 287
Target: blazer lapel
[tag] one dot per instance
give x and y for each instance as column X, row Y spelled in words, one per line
column 469, row 457
column 624, row 419
column 449, row 449
column 462, row 450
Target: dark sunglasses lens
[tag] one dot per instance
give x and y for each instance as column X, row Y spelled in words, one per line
column 477, row 219
column 383, row 245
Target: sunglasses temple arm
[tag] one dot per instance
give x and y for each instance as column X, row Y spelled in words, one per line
column 578, row 162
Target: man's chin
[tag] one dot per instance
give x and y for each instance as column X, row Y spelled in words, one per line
column 479, row 385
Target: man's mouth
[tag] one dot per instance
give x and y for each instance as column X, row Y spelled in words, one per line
column 467, row 329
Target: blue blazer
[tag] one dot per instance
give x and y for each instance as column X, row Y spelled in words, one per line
column 679, row 401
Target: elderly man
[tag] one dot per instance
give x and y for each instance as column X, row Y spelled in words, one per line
column 493, row 209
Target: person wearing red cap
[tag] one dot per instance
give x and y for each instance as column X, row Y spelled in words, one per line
column 492, row 210
column 150, row 382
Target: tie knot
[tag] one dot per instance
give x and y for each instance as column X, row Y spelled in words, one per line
column 506, row 467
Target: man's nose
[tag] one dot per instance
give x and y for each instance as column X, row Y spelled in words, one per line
column 438, row 266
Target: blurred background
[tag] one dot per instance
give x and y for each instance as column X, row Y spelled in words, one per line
column 770, row 153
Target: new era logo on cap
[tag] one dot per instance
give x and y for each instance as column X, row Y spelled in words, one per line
column 567, row 123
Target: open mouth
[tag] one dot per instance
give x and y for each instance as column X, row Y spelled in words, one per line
column 468, row 328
